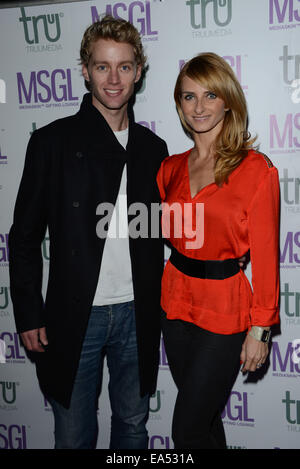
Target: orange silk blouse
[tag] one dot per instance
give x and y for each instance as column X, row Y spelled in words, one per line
column 220, row 223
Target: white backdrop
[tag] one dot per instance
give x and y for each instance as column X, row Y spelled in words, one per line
column 40, row 80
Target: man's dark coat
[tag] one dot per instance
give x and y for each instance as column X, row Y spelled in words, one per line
column 71, row 166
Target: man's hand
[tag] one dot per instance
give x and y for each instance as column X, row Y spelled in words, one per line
column 35, row 339
column 254, row 353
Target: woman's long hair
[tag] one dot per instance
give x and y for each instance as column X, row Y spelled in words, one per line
column 233, row 142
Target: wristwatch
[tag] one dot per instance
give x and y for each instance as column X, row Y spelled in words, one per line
column 259, row 333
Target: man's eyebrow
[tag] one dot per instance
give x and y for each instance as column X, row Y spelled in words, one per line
column 95, row 62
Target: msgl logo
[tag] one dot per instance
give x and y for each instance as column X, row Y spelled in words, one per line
column 13, row 436
column 4, row 251
column 2, row 351
column 3, row 158
column 284, row 13
column 290, row 253
column 236, row 410
column 137, row 13
column 44, row 86
column 284, row 133
column 284, row 360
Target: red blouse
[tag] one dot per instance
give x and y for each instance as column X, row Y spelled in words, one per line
column 243, row 214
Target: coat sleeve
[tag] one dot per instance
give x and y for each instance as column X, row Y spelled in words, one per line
column 263, row 215
column 25, row 238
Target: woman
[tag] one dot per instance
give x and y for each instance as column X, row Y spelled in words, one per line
column 212, row 321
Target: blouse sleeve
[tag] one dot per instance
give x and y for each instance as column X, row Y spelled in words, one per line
column 263, row 216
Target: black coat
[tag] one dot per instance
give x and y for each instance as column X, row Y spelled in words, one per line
column 71, row 166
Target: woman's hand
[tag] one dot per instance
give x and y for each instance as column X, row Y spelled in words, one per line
column 253, row 354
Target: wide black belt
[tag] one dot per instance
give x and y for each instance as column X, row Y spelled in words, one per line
column 217, row 270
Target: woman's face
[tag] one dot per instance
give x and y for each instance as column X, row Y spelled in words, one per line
column 202, row 110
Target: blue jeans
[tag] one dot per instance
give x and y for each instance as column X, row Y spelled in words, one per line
column 111, row 331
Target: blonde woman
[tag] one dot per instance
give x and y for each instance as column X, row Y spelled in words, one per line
column 212, row 319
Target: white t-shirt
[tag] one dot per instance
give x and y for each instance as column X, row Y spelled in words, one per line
column 115, row 279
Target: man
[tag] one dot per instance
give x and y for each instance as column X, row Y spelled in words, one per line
column 103, row 295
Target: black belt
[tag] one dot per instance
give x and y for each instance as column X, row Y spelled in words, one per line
column 217, row 270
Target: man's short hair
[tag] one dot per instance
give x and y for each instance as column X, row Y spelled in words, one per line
column 118, row 30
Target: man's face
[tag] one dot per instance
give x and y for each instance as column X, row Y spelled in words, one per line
column 112, row 72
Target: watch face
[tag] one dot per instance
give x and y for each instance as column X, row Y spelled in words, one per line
column 265, row 336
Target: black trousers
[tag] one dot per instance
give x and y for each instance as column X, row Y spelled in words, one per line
column 204, row 367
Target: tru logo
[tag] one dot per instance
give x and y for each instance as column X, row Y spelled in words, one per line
column 221, row 9
column 291, row 301
column 291, row 66
column 35, row 26
column 2, row 91
column 290, row 187
column 8, row 391
column 4, row 298
column 292, row 409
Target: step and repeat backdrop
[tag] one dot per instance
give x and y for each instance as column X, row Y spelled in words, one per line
column 40, row 80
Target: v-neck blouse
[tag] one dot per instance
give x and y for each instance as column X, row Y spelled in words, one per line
column 241, row 215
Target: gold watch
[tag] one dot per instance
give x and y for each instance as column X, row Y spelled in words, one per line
column 259, row 333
